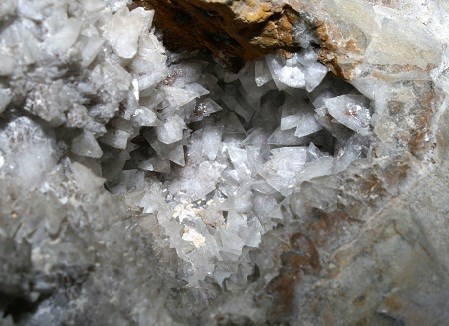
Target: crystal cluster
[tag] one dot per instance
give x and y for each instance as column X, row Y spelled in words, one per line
column 138, row 185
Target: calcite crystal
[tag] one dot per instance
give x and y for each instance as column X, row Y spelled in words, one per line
column 232, row 162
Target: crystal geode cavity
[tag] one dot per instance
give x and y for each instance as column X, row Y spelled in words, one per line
column 369, row 251
column 141, row 185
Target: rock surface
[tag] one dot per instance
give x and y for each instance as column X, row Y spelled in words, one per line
column 234, row 31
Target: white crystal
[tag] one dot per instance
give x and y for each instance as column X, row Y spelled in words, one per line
column 281, row 169
column 5, row 98
column 275, row 66
column 284, row 75
column 307, row 124
column 320, row 167
column 144, row 117
column 299, row 116
column 91, row 49
column 212, row 141
column 177, row 97
column 314, row 75
column 204, row 109
column 86, row 145
column 7, row 64
column 288, row 160
column 93, row 5
column 77, row 117
column 171, row 130
column 123, row 32
column 292, row 76
column 149, row 62
column 351, row 111
column 116, row 138
column 262, row 73
column 29, row 153
column 85, row 178
column 177, row 155
column 64, row 39
column 284, row 138
column 112, row 77
column 351, row 152
column 7, row 8
column 239, row 160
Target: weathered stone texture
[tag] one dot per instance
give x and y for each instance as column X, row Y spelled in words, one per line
column 234, row 31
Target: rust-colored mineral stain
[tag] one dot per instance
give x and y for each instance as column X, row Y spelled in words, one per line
column 327, row 53
column 426, row 97
column 392, row 303
column 303, row 258
column 395, row 107
column 234, row 31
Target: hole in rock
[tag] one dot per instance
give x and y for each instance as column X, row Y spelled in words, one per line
column 220, row 152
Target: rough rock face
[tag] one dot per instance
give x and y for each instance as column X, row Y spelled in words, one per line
column 234, row 31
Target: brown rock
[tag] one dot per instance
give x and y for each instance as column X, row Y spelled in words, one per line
column 234, row 31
